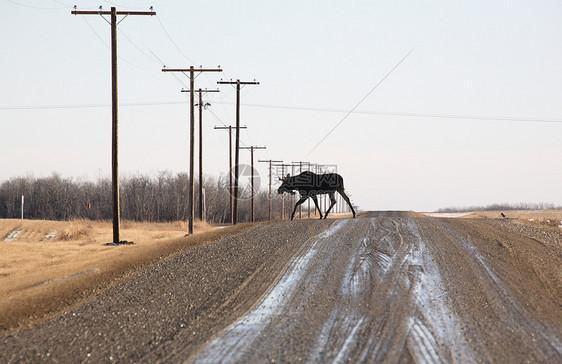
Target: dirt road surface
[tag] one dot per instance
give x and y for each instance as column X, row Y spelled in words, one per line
column 384, row 287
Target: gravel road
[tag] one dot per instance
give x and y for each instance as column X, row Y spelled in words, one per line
column 385, row 287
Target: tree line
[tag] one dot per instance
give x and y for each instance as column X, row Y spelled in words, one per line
column 503, row 207
column 160, row 198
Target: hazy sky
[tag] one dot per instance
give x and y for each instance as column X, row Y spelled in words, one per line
column 472, row 116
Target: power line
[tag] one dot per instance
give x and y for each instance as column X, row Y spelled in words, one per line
column 359, row 103
column 112, row 3
column 60, row 2
column 405, row 114
column 174, row 43
column 296, row 108
column 164, row 65
column 137, row 47
column 107, row 45
column 36, row 7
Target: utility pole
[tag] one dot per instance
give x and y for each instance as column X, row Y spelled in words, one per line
column 114, row 106
column 300, row 171
column 191, row 70
column 238, row 84
column 320, row 168
column 270, row 193
column 308, row 169
column 251, row 148
column 292, row 196
column 230, row 191
column 201, row 106
column 310, row 165
column 300, row 164
column 283, row 195
column 322, row 199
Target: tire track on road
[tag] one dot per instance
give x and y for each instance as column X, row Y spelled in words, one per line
column 378, row 296
column 408, row 319
column 542, row 340
column 239, row 340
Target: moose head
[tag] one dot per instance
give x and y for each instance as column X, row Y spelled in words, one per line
column 287, row 185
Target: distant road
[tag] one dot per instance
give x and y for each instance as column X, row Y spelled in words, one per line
column 385, row 287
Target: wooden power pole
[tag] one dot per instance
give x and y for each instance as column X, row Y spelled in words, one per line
column 252, row 208
column 300, row 164
column 283, row 195
column 201, row 106
column 238, row 84
column 230, row 191
column 191, row 70
column 270, row 193
column 114, row 108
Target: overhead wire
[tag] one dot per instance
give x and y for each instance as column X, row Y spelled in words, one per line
column 137, row 47
column 112, row 3
column 168, row 35
column 108, row 47
column 60, row 2
column 222, row 122
column 360, row 101
column 34, row 7
column 298, row 108
column 405, row 114
column 171, row 40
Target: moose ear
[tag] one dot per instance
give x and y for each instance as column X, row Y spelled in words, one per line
column 288, row 175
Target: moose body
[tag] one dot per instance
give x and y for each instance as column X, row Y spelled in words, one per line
column 310, row 184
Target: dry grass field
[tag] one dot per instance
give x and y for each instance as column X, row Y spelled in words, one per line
column 550, row 218
column 46, row 266
column 523, row 214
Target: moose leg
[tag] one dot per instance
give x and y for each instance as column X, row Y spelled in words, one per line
column 299, row 202
column 342, row 193
column 316, row 204
column 333, row 200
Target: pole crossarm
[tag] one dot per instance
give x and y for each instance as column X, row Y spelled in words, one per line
column 237, row 82
column 122, row 12
column 200, row 90
column 282, row 165
column 253, row 147
column 227, row 127
column 192, row 69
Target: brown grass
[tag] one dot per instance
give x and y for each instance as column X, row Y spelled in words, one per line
column 523, row 214
column 551, row 219
column 42, row 274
